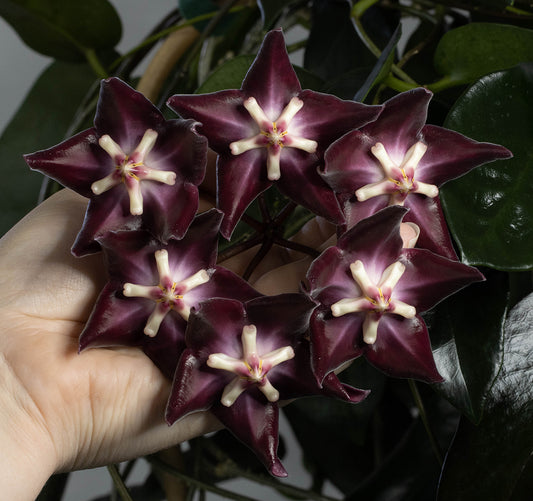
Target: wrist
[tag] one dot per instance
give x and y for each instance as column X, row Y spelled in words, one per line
column 28, row 455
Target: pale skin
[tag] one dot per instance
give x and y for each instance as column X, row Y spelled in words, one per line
column 62, row 411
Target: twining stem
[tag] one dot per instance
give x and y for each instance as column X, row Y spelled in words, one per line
column 119, row 483
column 423, row 415
column 95, row 63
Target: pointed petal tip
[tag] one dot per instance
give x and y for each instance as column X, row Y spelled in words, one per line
column 277, row 469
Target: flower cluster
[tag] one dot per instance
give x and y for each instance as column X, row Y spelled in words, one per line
column 373, row 171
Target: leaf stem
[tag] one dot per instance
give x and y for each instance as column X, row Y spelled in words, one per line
column 443, row 84
column 95, row 63
column 397, row 84
column 119, row 483
column 423, row 415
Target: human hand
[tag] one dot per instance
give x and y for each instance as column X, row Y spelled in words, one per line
column 60, row 410
column 63, row 411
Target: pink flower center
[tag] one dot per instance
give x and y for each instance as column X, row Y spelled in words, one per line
column 399, row 180
column 251, row 369
column 375, row 299
column 168, row 295
column 273, row 135
column 131, row 170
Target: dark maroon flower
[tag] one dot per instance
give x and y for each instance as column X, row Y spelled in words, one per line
column 152, row 288
column 371, row 291
column 398, row 160
column 272, row 131
column 138, row 169
column 241, row 359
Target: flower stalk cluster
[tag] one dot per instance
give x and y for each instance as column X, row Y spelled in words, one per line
column 373, row 171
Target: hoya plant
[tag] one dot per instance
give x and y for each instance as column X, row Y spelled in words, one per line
column 315, row 220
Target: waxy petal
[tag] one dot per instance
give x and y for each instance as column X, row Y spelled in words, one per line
column 401, row 120
column 123, row 311
column 137, row 169
column 272, row 79
column 272, row 131
column 124, row 113
column 334, row 341
column 451, row 155
column 229, row 345
column 402, row 349
column 398, row 160
column 379, row 283
column 258, row 425
column 430, row 278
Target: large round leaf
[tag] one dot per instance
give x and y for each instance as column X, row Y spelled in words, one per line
column 41, row 121
column 476, row 49
column 63, row 29
column 487, row 461
column 490, row 210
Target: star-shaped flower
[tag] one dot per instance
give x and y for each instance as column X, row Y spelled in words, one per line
column 138, row 169
column 152, row 288
column 241, row 359
column 398, row 160
column 371, row 292
column 272, row 131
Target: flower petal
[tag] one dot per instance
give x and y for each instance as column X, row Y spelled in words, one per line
column 196, row 387
column 401, row 120
column 402, row 349
column 255, row 423
column 271, row 79
column 239, row 180
column 124, row 113
column 434, row 235
column 429, row 278
column 222, row 116
column 334, row 341
column 75, row 163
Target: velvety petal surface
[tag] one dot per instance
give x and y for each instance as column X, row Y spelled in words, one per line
column 334, row 341
column 217, row 354
column 260, row 154
column 138, row 169
column 131, row 258
column 75, row 163
column 451, row 155
column 402, row 349
column 430, row 278
column 356, row 276
column 271, row 79
column 124, row 113
column 401, row 120
column 365, row 167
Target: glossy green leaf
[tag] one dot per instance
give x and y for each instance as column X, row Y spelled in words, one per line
column 487, row 461
column 228, row 76
column 468, row 329
column 63, row 29
column 477, row 49
column 41, row 122
column 490, row 210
